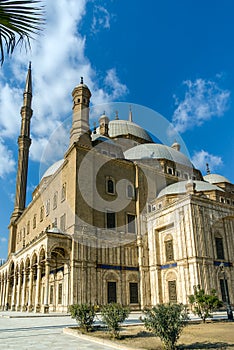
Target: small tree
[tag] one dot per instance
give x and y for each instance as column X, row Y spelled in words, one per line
column 204, row 304
column 113, row 315
column 84, row 315
column 166, row 321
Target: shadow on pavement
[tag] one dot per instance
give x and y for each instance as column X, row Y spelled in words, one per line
column 206, row 345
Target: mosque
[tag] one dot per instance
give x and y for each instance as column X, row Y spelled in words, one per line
column 120, row 218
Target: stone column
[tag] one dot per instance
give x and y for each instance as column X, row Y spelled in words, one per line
column 3, row 292
column 66, row 284
column 46, row 296
column 7, row 306
column 13, row 300
column 23, row 306
column 30, row 306
column 38, row 285
column 18, row 306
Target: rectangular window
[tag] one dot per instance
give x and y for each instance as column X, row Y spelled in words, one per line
column 172, row 291
column 131, row 223
column 63, row 222
column 169, row 250
column 60, row 293
column 133, row 289
column 219, row 248
column 110, row 220
column 111, row 292
column 224, row 290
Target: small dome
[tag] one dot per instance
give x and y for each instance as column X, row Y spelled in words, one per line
column 157, row 151
column 126, row 127
column 215, row 178
column 53, row 168
column 176, row 146
column 82, row 84
column 104, row 119
column 180, row 188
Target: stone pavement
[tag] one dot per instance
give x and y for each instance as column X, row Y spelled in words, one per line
column 38, row 333
column 22, row 330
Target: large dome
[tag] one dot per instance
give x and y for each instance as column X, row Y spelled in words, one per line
column 157, row 151
column 53, row 168
column 179, row 188
column 126, row 127
column 215, row 178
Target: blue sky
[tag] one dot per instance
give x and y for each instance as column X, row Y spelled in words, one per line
column 174, row 57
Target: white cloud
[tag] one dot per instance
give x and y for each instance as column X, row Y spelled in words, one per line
column 201, row 158
column 58, row 61
column 3, row 239
column 203, row 100
column 101, row 19
column 7, row 162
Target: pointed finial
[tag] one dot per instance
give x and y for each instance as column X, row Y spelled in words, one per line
column 28, row 85
column 30, row 65
column 207, row 169
column 130, row 113
column 81, row 80
column 116, row 115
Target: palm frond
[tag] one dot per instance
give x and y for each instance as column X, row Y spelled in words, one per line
column 19, row 22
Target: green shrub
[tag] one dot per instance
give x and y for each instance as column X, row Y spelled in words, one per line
column 113, row 315
column 166, row 321
column 84, row 315
column 204, row 304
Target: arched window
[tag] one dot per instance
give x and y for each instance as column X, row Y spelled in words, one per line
column 172, row 293
column 42, row 213
column 63, row 192
column 55, row 200
column 34, row 221
column 28, row 227
column 110, row 186
column 47, row 207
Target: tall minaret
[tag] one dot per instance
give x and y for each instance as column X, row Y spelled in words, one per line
column 24, row 142
column 80, row 123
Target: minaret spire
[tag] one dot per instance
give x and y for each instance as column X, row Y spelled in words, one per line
column 130, row 113
column 80, row 121
column 24, row 142
column 207, row 169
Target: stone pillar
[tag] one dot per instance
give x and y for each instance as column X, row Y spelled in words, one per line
column 3, row 292
column 7, row 306
column 13, row 299
column 66, row 284
column 18, row 306
column 30, row 306
column 38, row 286
column 23, row 306
column 46, row 296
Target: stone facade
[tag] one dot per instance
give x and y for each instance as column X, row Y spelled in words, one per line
column 115, row 221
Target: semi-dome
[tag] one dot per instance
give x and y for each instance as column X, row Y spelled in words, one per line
column 157, row 151
column 215, row 178
column 53, row 168
column 180, row 188
column 119, row 127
